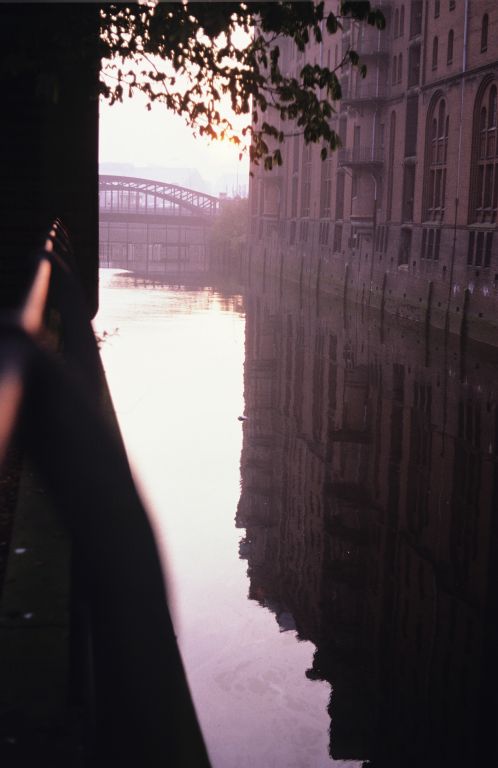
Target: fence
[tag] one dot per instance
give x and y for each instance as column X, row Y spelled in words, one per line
column 126, row 668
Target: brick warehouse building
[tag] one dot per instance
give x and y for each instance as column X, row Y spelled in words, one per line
column 403, row 216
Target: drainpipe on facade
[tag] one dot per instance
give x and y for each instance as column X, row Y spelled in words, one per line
column 462, row 91
column 374, row 232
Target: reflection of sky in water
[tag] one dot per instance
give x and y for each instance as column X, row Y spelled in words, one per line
column 175, row 370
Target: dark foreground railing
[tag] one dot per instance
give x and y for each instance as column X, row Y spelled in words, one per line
column 125, row 666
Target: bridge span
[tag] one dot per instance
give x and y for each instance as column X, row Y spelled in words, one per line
column 154, row 228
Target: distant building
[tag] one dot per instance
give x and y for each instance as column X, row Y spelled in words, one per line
column 404, row 214
column 154, row 228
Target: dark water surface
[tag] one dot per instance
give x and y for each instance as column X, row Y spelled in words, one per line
column 332, row 560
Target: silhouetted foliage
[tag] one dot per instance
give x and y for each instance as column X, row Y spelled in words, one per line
column 155, row 48
column 229, row 230
column 188, row 56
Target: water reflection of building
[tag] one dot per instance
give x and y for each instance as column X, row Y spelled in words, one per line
column 369, row 498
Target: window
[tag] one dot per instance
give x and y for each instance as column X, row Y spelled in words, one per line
column 396, row 23
column 402, row 21
column 381, row 135
column 400, row 68
column 339, row 196
column 294, row 191
column 394, row 70
column 484, row 170
column 295, row 154
column 435, row 45
column 306, row 181
column 452, row 5
column 480, row 249
column 323, row 234
column 408, row 192
column 292, row 233
column 354, row 185
column 411, row 126
column 405, row 247
column 437, row 242
column 416, row 10
column 390, row 167
column 449, row 55
column 437, row 8
column 325, row 186
column 413, row 65
column 431, row 240
column 338, row 238
column 484, row 33
column 436, row 157
column 356, row 139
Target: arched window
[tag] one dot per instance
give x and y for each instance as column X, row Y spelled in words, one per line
column 449, row 56
column 437, row 155
column 484, row 33
column 394, row 72
column 484, row 178
column 400, row 67
column 402, row 21
column 435, row 44
column 437, row 8
column 396, row 23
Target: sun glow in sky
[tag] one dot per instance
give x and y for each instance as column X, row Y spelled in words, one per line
column 129, row 133
column 132, row 134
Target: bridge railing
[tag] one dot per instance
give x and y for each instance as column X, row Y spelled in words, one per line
column 52, row 406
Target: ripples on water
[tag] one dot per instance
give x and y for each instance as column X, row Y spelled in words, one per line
column 355, row 508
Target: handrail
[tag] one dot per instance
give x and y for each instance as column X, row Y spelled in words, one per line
column 31, row 314
column 143, row 711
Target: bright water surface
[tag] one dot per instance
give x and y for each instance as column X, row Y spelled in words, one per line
column 174, row 360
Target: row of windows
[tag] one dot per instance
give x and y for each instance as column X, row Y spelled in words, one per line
column 156, row 252
column 479, row 253
column 484, row 166
column 451, row 40
column 449, row 49
column 484, row 177
column 484, row 190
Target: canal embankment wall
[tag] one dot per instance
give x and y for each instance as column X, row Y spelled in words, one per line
column 443, row 294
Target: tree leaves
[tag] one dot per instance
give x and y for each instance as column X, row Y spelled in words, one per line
column 187, row 56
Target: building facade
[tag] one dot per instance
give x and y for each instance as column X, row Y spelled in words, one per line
column 403, row 216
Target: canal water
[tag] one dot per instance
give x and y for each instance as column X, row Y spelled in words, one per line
column 174, row 361
column 331, row 559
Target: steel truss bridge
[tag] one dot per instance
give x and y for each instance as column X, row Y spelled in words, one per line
column 153, row 227
column 126, row 194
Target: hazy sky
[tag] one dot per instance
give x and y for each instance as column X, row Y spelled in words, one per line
column 129, row 133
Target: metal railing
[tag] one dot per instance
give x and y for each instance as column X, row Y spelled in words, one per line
column 361, row 91
column 361, row 156
column 52, row 405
